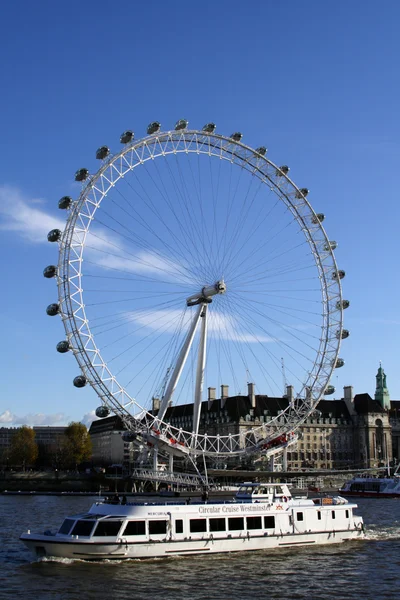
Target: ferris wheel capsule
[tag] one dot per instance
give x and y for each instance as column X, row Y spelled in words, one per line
column 102, row 411
column 63, row 347
column 80, row 381
column 329, row 390
column 330, row 246
column 283, row 170
column 102, row 152
column 181, row 124
column 53, row 309
column 261, row 150
column 342, row 334
column 54, row 235
column 81, row 174
column 318, row 218
column 339, row 363
column 342, row 304
column 127, row 137
column 153, row 127
column 65, row 202
column 50, row 271
column 237, row 136
column 209, row 127
column 338, row 274
column 303, row 192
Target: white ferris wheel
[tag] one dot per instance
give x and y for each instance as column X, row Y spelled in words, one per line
column 191, row 261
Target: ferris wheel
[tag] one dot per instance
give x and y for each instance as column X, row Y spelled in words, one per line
column 190, row 261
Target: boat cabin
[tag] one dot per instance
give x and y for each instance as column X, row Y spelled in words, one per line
column 263, row 492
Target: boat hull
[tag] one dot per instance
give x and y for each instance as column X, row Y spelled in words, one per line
column 84, row 550
column 370, row 494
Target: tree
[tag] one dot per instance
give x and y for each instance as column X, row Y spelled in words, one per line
column 77, row 445
column 23, row 447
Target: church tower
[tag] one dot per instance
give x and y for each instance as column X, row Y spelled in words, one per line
column 382, row 393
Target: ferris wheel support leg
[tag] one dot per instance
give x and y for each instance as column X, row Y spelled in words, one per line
column 171, row 463
column 180, row 363
column 284, row 460
column 201, row 364
column 155, row 459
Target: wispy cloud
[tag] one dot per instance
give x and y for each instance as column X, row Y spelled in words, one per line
column 88, row 418
column 11, row 419
column 219, row 325
column 25, row 215
column 142, row 262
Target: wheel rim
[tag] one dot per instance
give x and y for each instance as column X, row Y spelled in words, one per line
column 82, row 244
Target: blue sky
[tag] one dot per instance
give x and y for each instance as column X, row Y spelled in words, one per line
column 317, row 83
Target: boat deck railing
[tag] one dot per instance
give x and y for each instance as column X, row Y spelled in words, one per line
column 168, row 477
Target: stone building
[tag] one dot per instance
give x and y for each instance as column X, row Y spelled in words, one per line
column 354, row 431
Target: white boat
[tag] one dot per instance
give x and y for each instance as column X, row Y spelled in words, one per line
column 262, row 516
column 372, row 487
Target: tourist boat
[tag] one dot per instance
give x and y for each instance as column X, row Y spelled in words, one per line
column 372, row 487
column 260, row 517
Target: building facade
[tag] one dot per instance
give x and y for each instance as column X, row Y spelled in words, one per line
column 356, row 431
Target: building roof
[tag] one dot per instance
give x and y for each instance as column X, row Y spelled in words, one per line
column 237, row 407
column 113, row 423
column 363, row 404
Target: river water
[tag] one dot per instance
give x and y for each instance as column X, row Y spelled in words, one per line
column 367, row 569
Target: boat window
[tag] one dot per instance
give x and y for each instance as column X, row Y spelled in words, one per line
column 217, row 524
column 347, row 514
column 269, row 522
column 235, row 523
column 299, row 516
column 254, row 522
column 319, row 515
column 66, row 526
column 179, row 526
column 135, row 528
column 157, row 527
column 83, row 528
column 333, row 515
column 198, row 525
column 107, row 528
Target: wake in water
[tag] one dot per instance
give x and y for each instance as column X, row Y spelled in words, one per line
column 379, row 532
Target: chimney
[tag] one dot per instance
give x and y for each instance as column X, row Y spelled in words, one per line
column 156, row 405
column 224, row 394
column 252, row 396
column 290, row 394
column 211, row 396
column 349, row 398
